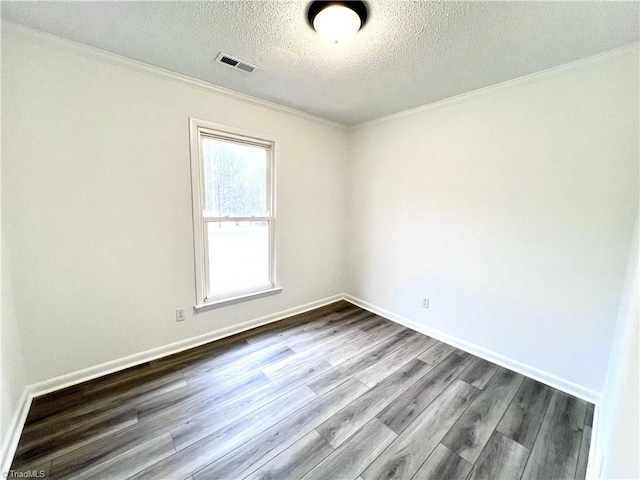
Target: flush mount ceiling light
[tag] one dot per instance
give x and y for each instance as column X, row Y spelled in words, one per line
column 337, row 22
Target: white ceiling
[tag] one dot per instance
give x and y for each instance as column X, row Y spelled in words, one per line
column 409, row 53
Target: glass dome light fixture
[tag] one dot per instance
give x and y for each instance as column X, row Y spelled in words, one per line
column 337, row 22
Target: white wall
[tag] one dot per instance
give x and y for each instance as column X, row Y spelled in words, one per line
column 12, row 375
column 618, row 439
column 511, row 209
column 97, row 206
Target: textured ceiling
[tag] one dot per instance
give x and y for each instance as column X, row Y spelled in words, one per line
column 409, row 53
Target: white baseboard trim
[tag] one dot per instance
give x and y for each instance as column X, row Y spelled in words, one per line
column 593, row 462
column 12, row 438
column 90, row 373
column 106, row 368
column 515, row 365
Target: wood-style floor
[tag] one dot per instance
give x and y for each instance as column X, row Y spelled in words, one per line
column 336, row 393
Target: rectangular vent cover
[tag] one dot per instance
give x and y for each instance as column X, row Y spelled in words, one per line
column 236, row 63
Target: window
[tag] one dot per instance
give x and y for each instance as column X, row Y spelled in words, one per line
column 232, row 175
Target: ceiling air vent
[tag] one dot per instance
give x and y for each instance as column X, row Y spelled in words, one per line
column 235, row 63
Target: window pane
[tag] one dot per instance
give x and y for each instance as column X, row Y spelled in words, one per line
column 235, row 179
column 238, row 257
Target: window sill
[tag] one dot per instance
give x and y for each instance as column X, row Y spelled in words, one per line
column 237, row 299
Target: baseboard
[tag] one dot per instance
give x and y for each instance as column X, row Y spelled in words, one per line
column 594, row 462
column 12, row 438
column 96, row 371
column 499, row 359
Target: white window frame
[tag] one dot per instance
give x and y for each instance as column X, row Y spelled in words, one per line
column 198, row 130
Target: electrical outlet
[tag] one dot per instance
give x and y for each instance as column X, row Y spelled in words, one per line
column 181, row 316
column 425, row 302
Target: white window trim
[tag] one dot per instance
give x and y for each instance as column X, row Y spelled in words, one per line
column 197, row 126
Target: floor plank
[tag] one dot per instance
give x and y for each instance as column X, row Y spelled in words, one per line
column 295, row 461
column 54, row 432
column 523, row 418
column 406, row 454
column 203, row 425
column 55, row 402
column 276, row 335
column 212, row 391
column 265, row 336
column 336, row 376
column 556, row 450
column 319, row 352
column 373, row 338
column 324, row 334
column 350, row 419
column 136, row 379
column 395, row 360
column 377, row 324
column 68, row 441
column 354, row 456
column 85, row 412
column 324, row 315
column 225, row 403
column 501, row 458
column 224, row 412
column 479, row 373
column 313, row 334
column 444, row 464
column 406, row 408
column 438, row 352
column 472, row 431
column 261, row 448
column 65, row 465
column 251, row 363
column 196, row 455
column 132, row 461
column 583, row 457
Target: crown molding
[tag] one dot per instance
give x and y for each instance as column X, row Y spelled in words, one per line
column 513, row 83
column 42, row 38
column 20, row 31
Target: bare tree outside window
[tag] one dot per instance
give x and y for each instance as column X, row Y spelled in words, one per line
column 234, row 180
